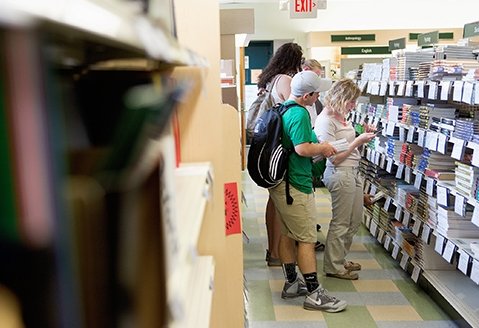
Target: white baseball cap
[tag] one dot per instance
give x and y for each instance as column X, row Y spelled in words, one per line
column 307, row 81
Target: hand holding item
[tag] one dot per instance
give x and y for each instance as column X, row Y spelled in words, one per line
column 369, row 128
column 365, row 137
column 328, row 149
column 368, row 199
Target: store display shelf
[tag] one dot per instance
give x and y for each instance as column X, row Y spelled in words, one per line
column 198, row 306
column 193, row 186
column 458, row 290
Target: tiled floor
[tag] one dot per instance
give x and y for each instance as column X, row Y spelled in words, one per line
column 384, row 296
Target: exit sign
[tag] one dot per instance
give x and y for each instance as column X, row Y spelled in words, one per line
column 303, row 8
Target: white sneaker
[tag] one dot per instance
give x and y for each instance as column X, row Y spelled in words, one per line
column 320, row 300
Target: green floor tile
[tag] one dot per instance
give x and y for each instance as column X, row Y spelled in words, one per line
column 424, row 305
column 353, row 316
column 260, row 306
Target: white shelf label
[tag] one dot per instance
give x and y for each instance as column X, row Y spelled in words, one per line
column 449, row 251
column 367, row 185
column 475, row 215
column 383, row 161
column 418, row 181
column 390, row 128
column 420, row 137
column 395, row 251
column 438, row 247
column 408, row 92
column 380, row 236
column 404, row 260
column 420, row 89
column 373, row 190
column 429, row 186
column 401, row 88
column 446, row 86
column 402, row 134
column 441, row 143
column 432, row 140
column 432, row 94
column 415, row 273
column 426, row 232
column 442, row 196
column 399, row 171
column 475, row 271
column 457, row 93
column 410, row 134
column 387, row 203
column 390, row 165
column 463, row 263
column 387, row 242
column 475, row 154
column 416, row 227
column 467, row 93
column 397, row 214
column 458, row 149
column 459, row 205
column 405, row 219
column 407, row 174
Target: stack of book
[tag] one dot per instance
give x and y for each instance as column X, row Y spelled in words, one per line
column 466, row 128
column 452, row 225
column 466, row 179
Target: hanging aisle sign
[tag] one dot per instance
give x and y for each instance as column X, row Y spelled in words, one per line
column 397, row 44
column 471, row 29
column 353, row 37
column 365, row 50
column 303, row 9
column 428, row 39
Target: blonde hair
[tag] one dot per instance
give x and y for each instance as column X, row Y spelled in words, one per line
column 341, row 93
column 311, row 64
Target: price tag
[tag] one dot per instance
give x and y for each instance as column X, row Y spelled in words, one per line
column 432, row 94
column 459, row 207
column 405, row 219
column 449, row 251
column 407, row 174
column 441, row 143
column 432, row 140
column 430, row 186
column 415, row 273
column 418, row 181
column 475, row 271
column 399, row 171
column 475, row 215
column 367, row 185
column 442, row 196
column 439, row 246
column 387, row 203
column 404, row 260
column 445, row 88
column 391, row 88
column 395, row 251
column 467, row 93
column 383, row 161
column 426, row 233
column 458, row 149
column 390, row 165
column 402, row 134
column 420, row 137
column 457, row 93
column 464, row 260
column 397, row 214
column 387, row 242
column 380, row 236
column 410, row 134
column 416, row 227
column 408, row 92
column 420, row 89
column 390, row 128
column 401, row 88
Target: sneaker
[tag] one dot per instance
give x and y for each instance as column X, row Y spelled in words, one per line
column 352, row 266
column 348, row 275
column 294, row 289
column 319, row 300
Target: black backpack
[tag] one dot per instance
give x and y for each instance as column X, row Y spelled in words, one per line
column 267, row 158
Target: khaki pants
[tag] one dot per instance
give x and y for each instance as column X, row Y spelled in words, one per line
column 346, row 187
column 298, row 220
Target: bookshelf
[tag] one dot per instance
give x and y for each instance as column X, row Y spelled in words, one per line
column 112, row 174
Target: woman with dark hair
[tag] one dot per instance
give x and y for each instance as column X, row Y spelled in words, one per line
column 284, row 64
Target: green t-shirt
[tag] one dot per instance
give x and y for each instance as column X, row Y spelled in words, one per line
column 297, row 130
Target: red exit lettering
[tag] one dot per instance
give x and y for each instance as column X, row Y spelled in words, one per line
column 303, row 6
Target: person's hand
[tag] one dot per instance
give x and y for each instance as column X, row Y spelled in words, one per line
column 365, row 137
column 369, row 128
column 327, row 149
column 368, row 199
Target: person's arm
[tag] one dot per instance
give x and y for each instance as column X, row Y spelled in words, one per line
column 308, row 149
column 283, row 86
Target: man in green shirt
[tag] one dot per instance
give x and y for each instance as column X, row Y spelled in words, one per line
column 298, row 220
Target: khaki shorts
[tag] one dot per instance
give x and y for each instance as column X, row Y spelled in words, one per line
column 298, row 220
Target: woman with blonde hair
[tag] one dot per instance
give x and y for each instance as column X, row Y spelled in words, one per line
column 342, row 177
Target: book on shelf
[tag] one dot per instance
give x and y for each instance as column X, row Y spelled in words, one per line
column 440, row 175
